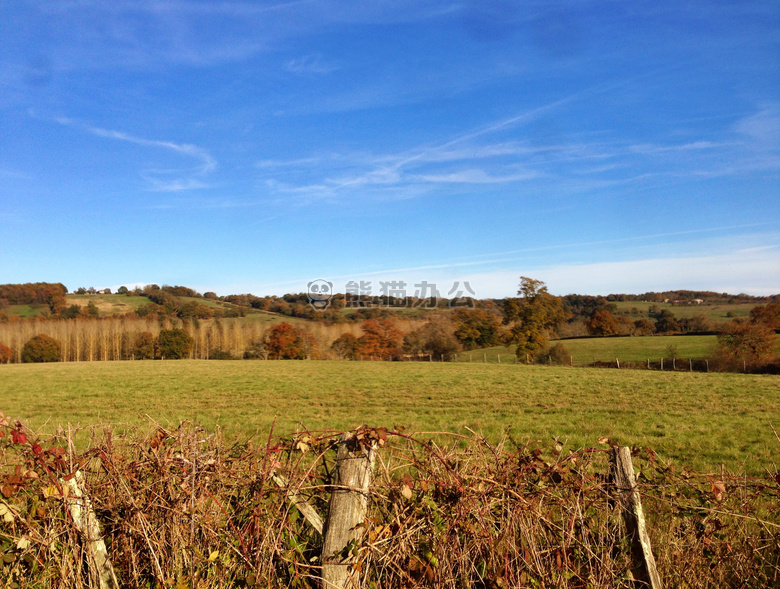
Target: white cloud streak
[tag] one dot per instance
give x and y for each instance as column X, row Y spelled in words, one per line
column 160, row 180
column 747, row 147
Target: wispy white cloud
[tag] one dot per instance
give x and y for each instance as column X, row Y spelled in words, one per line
column 479, row 156
column 309, row 64
column 160, row 179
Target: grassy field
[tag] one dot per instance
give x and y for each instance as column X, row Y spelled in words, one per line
column 692, row 418
column 717, row 312
column 585, row 351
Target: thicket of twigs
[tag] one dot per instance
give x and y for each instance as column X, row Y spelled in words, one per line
column 185, row 508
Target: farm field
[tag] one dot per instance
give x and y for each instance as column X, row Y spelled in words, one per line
column 695, row 419
column 716, row 312
column 585, row 351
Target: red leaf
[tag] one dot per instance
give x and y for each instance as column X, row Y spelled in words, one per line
column 37, row 449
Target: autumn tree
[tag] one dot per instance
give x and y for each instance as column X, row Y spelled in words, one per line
column 476, row 328
column 380, row 338
column 6, row 354
column 41, row 348
column 602, row 324
column 345, row 346
column 768, row 315
column 175, row 343
column 643, row 327
column 531, row 317
column 193, row 309
column 435, row 338
column 695, row 324
column 746, row 341
column 285, row 341
column 144, row 346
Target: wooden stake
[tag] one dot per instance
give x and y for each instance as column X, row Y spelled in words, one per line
column 346, row 514
column 87, row 524
column 645, row 571
column 311, row 515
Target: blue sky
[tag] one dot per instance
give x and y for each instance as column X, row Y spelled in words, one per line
column 601, row 147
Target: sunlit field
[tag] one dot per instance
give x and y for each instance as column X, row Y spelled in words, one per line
column 693, row 418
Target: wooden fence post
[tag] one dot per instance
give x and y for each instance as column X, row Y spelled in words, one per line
column 86, row 522
column 346, row 514
column 641, row 552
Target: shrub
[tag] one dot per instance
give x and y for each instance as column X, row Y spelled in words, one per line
column 6, row 354
column 41, row 348
column 558, row 354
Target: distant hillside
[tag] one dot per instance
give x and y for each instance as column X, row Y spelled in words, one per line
column 52, row 300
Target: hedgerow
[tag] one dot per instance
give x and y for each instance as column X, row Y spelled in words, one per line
column 186, row 508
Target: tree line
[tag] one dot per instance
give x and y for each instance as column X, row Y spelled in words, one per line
column 170, row 327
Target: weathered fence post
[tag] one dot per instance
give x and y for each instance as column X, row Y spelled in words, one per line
column 346, row 513
column 641, row 551
column 86, row 522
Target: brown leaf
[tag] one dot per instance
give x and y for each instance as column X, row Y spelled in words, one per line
column 718, row 489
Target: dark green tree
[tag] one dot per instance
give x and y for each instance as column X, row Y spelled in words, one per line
column 531, row 317
column 41, row 348
column 92, row 310
column 666, row 322
column 175, row 343
column 71, row 312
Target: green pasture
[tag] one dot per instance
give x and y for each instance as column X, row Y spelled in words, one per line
column 585, row 351
column 696, row 419
column 26, row 310
column 716, row 312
